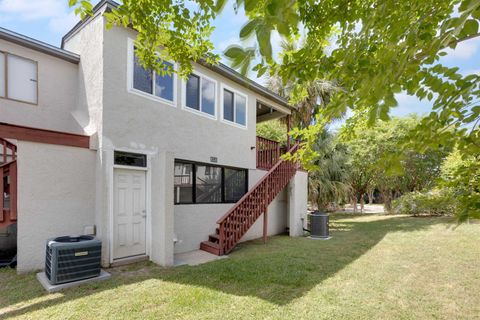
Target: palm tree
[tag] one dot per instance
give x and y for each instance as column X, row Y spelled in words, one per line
column 327, row 184
column 319, row 93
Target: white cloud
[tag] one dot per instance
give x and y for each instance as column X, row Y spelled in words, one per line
column 57, row 14
column 464, row 50
column 470, row 71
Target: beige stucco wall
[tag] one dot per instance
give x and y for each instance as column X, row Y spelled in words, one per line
column 57, row 94
column 56, row 196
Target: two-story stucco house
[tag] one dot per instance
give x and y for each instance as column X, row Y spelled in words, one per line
column 92, row 143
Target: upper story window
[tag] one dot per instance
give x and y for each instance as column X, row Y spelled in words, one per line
column 234, row 107
column 147, row 81
column 18, row 78
column 200, row 94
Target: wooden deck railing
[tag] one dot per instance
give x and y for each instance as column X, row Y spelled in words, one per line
column 8, row 193
column 236, row 222
column 8, row 183
column 268, row 153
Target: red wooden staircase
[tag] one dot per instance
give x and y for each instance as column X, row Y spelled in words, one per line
column 236, row 222
column 8, row 183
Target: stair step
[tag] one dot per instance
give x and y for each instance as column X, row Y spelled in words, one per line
column 215, row 238
column 211, row 247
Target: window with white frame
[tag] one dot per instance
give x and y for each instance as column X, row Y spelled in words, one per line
column 234, row 107
column 200, row 93
column 18, row 78
column 150, row 82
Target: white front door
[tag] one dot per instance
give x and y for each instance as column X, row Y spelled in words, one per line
column 129, row 213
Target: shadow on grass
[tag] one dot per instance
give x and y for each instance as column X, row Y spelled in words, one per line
column 279, row 272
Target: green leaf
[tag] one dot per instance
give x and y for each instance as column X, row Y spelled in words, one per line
column 219, row 5
column 248, row 28
column 263, row 38
column 250, row 5
column 234, row 52
column 470, row 28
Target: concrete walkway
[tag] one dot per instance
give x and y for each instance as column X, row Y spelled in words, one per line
column 194, row 258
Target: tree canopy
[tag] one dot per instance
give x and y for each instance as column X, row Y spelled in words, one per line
column 372, row 49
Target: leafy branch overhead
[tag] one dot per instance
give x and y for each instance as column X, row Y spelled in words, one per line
column 372, row 50
column 181, row 30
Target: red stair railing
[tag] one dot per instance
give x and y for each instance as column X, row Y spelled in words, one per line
column 236, row 222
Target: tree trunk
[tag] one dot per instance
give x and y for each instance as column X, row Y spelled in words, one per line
column 387, row 201
column 370, row 197
column 354, row 204
column 362, row 203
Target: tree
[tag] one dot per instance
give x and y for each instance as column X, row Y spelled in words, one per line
column 317, row 95
column 274, row 130
column 327, row 185
column 466, row 191
column 182, row 29
column 380, row 49
column 380, row 161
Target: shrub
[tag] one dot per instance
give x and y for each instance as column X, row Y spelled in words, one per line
column 434, row 203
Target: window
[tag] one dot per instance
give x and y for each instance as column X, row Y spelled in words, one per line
column 193, row 92
column 234, row 107
column 18, row 78
column 235, row 184
column 142, row 78
column 208, row 184
column 205, row 183
column 228, row 105
column 130, row 159
column 200, row 94
column 183, row 182
column 2, row 74
column 148, row 81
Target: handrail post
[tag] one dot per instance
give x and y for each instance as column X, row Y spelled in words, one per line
column 222, row 238
column 2, row 194
column 265, row 214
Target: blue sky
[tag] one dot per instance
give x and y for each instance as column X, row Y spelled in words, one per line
column 48, row 20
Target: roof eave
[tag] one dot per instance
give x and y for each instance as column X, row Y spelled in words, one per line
column 36, row 45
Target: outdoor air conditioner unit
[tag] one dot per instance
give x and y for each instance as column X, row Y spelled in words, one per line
column 72, row 258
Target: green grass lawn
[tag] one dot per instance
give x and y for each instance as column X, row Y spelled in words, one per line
column 374, row 267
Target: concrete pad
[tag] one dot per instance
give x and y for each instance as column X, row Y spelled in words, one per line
column 42, row 278
column 194, row 258
column 319, row 238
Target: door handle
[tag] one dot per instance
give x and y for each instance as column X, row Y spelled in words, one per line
column 144, row 213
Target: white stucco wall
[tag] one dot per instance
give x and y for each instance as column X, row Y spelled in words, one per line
column 88, row 43
column 193, row 223
column 297, row 202
column 57, row 93
column 56, row 197
column 136, row 122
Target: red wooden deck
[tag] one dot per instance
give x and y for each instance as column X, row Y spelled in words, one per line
column 8, row 183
